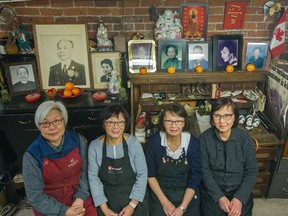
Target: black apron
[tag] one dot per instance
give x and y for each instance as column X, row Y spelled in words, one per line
column 172, row 176
column 118, row 178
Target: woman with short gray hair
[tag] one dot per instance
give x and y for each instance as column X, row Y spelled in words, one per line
column 55, row 166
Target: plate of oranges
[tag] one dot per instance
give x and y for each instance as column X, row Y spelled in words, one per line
column 70, row 91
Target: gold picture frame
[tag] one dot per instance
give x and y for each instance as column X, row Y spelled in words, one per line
column 142, row 53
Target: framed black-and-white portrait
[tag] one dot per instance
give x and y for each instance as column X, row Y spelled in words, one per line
column 227, row 50
column 22, row 77
column 62, row 54
column 256, row 52
column 103, row 65
column 171, row 53
column 199, row 53
column 141, row 53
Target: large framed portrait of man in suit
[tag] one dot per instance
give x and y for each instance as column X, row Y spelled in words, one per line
column 62, row 55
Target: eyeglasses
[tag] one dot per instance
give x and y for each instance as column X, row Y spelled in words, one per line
column 177, row 122
column 225, row 117
column 56, row 122
column 113, row 123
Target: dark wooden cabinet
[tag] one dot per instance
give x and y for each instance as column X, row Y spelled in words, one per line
column 167, row 84
column 17, row 120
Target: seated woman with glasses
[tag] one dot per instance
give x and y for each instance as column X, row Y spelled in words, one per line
column 229, row 164
column 55, row 166
column 174, row 166
column 117, row 168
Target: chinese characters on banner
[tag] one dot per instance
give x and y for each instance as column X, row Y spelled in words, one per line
column 234, row 14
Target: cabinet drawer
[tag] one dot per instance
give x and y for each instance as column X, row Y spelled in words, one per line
column 18, row 121
column 263, row 177
column 81, row 117
column 263, row 165
column 159, row 88
column 265, row 153
column 259, row 190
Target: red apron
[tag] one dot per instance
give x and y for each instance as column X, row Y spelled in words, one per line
column 61, row 178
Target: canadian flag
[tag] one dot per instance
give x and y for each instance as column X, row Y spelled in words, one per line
column 277, row 45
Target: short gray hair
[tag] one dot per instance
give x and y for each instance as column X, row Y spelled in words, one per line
column 46, row 107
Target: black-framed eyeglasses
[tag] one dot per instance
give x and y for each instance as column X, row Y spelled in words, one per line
column 225, row 117
column 113, row 123
column 177, row 122
column 46, row 124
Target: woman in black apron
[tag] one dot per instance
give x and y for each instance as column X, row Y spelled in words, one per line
column 174, row 166
column 117, row 168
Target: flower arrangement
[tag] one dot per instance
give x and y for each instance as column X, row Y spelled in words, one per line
column 204, row 109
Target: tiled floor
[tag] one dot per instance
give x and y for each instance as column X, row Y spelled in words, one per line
column 262, row 207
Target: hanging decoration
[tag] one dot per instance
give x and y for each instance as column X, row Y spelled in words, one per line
column 234, row 14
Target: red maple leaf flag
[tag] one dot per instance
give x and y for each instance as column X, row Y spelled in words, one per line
column 277, row 45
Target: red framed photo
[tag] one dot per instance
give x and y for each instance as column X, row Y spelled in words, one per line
column 194, row 19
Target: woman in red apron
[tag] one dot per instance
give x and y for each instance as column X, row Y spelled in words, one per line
column 174, row 166
column 55, row 166
column 117, row 168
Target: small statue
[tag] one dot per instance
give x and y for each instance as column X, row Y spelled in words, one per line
column 102, row 36
column 114, row 83
column 168, row 26
column 22, row 37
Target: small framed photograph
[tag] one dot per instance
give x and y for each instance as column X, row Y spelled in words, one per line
column 194, row 18
column 22, row 77
column 257, row 53
column 104, row 64
column 62, row 54
column 199, row 53
column 171, row 53
column 141, row 53
column 227, row 50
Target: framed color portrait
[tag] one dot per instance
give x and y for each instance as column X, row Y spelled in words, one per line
column 257, row 53
column 171, row 53
column 194, row 19
column 227, row 50
column 104, row 64
column 199, row 53
column 62, row 55
column 22, row 77
column 141, row 53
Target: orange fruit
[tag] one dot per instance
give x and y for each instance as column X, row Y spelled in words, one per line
column 67, row 93
column 229, row 68
column 69, row 85
column 250, row 67
column 198, row 69
column 171, row 70
column 75, row 91
column 143, row 70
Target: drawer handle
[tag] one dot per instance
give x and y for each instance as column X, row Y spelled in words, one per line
column 92, row 118
column 256, row 143
column 24, row 122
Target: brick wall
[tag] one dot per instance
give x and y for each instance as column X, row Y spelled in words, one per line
column 130, row 16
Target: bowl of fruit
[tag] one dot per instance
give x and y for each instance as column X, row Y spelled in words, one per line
column 51, row 93
column 70, row 91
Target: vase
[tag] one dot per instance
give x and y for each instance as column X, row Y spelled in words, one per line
column 203, row 121
column 5, row 96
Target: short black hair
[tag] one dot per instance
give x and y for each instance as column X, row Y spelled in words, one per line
column 107, row 61
column 230, row 45
column 114, row 110
column 179, row 110
column 171, row 46
column 225, row 101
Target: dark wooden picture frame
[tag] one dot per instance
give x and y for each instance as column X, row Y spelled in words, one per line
column 199, row 53
column 194, row 19
column 227, row 49
column 101, row 62
column 178, row 61
column 22, row 77
column 254, row 48
column 142, row 53
column 49, row 48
